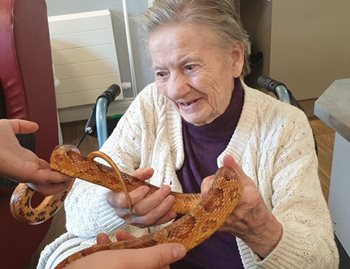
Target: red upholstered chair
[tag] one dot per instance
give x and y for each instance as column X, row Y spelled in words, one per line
column 26, row 92
column 26, row 72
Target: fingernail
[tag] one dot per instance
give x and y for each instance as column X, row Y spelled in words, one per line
column 144, row 188
column 173, row 215
column 179, row 251
column 165, row 189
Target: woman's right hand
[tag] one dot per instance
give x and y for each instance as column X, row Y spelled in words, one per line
column 146, row 211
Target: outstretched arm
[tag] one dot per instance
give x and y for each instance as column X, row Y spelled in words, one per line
column 159, row 256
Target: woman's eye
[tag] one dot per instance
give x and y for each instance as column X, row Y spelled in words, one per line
column 190, row 67
column 160, row 74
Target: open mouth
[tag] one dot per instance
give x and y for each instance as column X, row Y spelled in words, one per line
column 187, row 104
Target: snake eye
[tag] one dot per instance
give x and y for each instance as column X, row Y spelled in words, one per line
column 69, row 148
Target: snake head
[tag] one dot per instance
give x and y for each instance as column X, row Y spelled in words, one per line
column 66, row 148
column 63, row 156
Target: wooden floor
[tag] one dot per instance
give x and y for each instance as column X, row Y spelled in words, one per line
column 72, row 133
column 325, row 142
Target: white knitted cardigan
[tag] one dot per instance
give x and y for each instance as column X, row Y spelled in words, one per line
column 274, row 145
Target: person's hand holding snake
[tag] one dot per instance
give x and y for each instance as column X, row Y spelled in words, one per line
column 23, row 165
column 159, row 256
column 251, row 220
column 147, row 211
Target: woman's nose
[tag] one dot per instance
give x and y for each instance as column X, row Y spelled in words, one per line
column 177, row 87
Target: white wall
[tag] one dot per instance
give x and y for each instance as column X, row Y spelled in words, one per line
column 305, row 42
column 144, row 74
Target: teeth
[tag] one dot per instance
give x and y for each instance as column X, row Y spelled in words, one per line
column 185, row 104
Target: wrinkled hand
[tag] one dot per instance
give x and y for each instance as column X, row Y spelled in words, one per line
column 251, row 220
column 159, row 256
column 146, row 211
column 23, row 165
column 121, row 235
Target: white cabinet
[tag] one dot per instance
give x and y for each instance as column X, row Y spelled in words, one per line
column 339, row 198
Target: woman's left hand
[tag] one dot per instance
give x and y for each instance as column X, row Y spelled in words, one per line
column 251, row 220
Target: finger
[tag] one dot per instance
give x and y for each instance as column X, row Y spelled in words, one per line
column 158, row 215
column 230, row 161
column 166, row 218
column 159, row 256
column 102, row 238
column 50, row 189
column 51, row 176
column 119, row 201
column 23, row 126
column 122, row 235
column 43, row 173
column 123, row 213
column 143, row 173
column 149, row 203
column 206, row 184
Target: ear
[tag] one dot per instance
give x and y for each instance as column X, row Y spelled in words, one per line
column 237, row 55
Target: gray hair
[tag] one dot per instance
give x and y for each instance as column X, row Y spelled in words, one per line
column 218, row 15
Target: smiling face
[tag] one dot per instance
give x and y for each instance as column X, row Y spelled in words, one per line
column 194, row 72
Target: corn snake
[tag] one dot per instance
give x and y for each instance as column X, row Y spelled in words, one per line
column 202, row 216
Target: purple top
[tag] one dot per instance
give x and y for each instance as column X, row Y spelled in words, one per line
column 203, row 145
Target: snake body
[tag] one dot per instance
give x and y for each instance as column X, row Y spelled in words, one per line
column 203, row 215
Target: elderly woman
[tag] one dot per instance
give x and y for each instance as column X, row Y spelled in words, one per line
column 196, row 117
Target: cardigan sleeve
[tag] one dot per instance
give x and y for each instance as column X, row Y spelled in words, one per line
column 297, row 201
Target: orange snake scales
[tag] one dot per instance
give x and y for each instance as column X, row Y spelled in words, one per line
column 202, row 216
